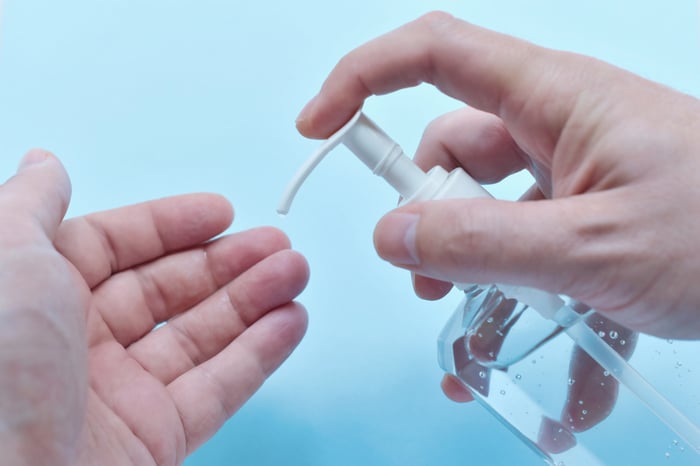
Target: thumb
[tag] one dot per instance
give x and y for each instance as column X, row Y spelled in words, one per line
column 486, row 241
column 40, row 190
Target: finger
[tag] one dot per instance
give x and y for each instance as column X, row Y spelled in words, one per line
column 477, row 141
column 131, row 303
column 195, row 336
column 554, row 437
column 104, row 243
column 209, row 394
column 455, row 390
column 472, row 139
column 39, row 193
column 429, row 288
column 490, row 71
column 539, row 243
column 592, row 391
column 533, row 194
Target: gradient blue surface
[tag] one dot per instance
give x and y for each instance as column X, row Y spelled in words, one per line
column 143, row 99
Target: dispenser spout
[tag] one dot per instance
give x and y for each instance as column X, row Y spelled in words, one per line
column 376, row 150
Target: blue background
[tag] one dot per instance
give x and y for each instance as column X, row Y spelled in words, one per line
column 143, row 99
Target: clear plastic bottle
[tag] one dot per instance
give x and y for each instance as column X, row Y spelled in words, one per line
column 553, row 395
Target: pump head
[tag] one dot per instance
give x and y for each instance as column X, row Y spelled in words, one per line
column 371, row 145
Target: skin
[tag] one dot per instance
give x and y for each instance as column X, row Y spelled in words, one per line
column 86, row 378
column 612, row 218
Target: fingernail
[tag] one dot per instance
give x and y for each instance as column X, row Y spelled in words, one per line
column 396, row 238
column 33, row 157
column 303, row 115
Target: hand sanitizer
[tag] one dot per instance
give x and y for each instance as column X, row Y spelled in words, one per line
column 498, row 328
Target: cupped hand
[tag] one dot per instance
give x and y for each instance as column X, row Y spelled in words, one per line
column 130, row 336
column 611, row 220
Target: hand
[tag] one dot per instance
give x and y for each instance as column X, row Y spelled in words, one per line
column 87, row 378
column 612, row 219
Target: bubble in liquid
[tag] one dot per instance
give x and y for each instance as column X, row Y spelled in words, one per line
column 572, row 381
column 518, row 376
column 623, row 342
column 669, row 341
column 502, row 392
column 580, row 402
column 606, row 373
column 613, row 334
column 482, row 374
column 601, row 334
column 489, row 320
column 667, row 455
column 678, row 364
column 584, row 411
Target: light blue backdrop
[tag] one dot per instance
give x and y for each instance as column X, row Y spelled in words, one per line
column 143, row 99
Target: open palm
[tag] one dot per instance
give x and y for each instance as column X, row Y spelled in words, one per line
column 177, row 330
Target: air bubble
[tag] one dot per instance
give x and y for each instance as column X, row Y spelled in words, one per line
column 482, row 374
column 613, row 334
column 601, row 334
column 572, row 381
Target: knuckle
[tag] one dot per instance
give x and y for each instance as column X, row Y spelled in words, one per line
column 436, row 20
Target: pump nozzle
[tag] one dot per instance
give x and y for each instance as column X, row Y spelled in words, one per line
column 371, row 145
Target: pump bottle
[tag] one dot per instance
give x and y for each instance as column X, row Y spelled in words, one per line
column 498, row 326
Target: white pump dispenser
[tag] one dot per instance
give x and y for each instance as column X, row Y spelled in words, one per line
column 386, row 159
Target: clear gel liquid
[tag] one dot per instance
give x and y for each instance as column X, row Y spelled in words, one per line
column 551, row 394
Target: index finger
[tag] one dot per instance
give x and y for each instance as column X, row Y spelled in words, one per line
column 488, row 70
column 108, row 242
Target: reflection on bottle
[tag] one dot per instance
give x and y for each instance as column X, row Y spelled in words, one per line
column 492, row 336
column 481, row 343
